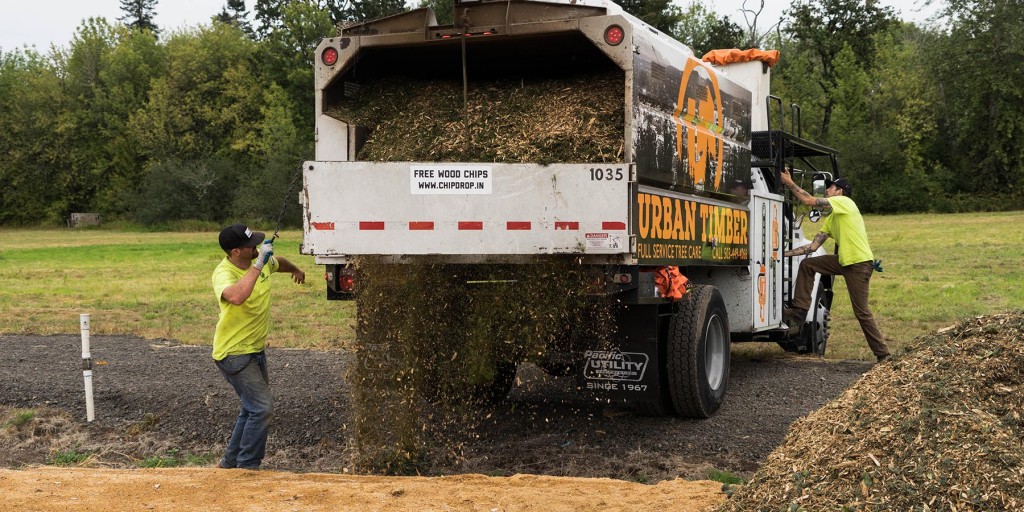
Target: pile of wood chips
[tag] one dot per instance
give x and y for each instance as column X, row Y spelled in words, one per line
column 568, row 120
column 938, row 428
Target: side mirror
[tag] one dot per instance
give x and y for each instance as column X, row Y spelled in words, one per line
column 814, row 216
column 818, row 188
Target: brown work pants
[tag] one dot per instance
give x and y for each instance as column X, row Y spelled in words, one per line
column 858, row 281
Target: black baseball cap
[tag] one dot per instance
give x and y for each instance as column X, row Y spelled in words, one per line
column 842, row 184
column 238, row 235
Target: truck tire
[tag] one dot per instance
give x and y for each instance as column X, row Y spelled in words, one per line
column 698, row 353
column 818, row 333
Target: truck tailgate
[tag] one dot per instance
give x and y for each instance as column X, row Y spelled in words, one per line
column 471, row 210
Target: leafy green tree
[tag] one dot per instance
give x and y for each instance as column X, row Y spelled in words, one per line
column 80, row 126
column 129, row 69
column 235, row 13
column 443, row 10
column 824, row 28
column 206, row 102
column 268, row 15
column 279, row 150
column 174, row 189
column 140, row 14
column 362, row 10
column 197, row 122
column 286, row 56
column 30, row 92
column 980, row 68
column 660, row 14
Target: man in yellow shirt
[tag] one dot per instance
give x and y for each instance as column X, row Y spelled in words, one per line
column 241, row 283
column 855, row 261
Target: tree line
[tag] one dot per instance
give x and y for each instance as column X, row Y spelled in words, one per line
column 150, row 125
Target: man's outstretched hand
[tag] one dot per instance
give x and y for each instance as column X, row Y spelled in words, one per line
column 263, row 257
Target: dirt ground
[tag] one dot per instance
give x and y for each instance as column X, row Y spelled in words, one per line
column 157, row 398
column 204, row 489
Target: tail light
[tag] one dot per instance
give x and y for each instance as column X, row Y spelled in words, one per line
column 347, row 282
column 341, row 282
column 614, row 35
column 329, row 56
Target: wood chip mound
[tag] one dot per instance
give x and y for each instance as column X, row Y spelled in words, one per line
column 937, row 428
column 578, row 119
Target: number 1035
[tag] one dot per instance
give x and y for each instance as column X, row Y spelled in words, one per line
column 598, row 174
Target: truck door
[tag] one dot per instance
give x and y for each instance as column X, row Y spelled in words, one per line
column 766, row 259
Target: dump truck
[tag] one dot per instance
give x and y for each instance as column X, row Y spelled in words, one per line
column 694, row 185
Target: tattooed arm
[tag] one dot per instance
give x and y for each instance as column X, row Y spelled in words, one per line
column 802, row 195
column 809, row 248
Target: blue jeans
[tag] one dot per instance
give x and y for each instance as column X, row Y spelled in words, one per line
column 247, row 373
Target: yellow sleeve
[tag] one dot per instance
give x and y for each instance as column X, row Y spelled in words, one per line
column 221, row 280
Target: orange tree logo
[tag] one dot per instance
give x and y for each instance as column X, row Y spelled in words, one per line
column 699, row 124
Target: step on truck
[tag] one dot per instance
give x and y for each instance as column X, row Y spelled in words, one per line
column 695, row 186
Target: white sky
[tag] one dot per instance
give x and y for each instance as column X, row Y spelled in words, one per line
column 42, row 22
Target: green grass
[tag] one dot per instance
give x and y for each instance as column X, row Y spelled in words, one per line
column 939, row 269
column 156, row 285
column 70, row 457
column 724, row 476
column 20, row 417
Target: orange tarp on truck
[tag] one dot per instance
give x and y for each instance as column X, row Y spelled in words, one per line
column 733, row 55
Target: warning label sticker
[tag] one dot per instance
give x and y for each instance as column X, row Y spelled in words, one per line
column 450, row 179
column 604, row 241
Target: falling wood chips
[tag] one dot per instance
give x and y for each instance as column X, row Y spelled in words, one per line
column 423, row 335
column 938, row 428
column 568, row 120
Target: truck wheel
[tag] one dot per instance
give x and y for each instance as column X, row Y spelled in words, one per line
column 698, row 353
column 819, row 332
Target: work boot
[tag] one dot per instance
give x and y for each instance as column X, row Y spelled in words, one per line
column 795, row 319
column 882, row 358
column 799, row 314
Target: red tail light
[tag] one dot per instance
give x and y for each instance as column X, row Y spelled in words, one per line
column 330, row 56
column 614, row 35
column 347, row 283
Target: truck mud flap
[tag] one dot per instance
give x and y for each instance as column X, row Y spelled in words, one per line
column 630, row 369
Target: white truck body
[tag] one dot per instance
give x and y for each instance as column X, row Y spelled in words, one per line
column 690, row 130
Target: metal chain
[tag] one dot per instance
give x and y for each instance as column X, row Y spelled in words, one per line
column 284, row 206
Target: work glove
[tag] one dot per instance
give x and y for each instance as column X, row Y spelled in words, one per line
column 877, row 264
column 263, row 257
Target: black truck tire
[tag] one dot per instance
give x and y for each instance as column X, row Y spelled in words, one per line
column 698, row 353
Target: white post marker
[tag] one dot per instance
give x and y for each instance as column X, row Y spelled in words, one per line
column 87, row 367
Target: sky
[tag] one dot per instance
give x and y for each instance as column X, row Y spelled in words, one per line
column 45, row 22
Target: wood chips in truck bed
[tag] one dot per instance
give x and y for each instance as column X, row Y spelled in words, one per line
column 568, row 120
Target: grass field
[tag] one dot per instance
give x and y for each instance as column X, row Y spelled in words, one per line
column 155, row 285
column 938, row 269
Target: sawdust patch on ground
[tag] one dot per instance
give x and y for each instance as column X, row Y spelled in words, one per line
column 212, row 489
